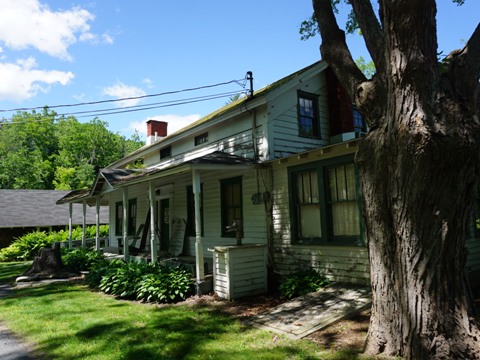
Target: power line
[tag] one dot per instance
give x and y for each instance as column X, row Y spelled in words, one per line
column 134, row 108
column 173, row 102
column 238, row 82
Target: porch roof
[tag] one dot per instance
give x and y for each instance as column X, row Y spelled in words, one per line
column 216, row 160
column 77, row 196
column 116, row 178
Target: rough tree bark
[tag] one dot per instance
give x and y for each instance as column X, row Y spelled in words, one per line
column 419, row 168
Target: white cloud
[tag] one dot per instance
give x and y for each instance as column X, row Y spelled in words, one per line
column 121, row 91
column 148, row 83
column 22, row 81
column 29, row 23
column 175, row 122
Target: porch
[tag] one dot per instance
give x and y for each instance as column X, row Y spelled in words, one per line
column 176, row 213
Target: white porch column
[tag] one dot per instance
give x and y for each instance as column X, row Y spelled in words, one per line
column 153, row 237
column 84, row 224
column 198, row 226
column 125, row 227
column 70, row 224
column 97, row 224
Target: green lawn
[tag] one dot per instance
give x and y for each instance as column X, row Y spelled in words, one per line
column 69, row 321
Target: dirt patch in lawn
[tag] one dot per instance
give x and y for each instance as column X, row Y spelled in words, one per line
column 349, row 334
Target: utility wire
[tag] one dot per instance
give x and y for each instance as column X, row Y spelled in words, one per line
column 111, row 111
column 173, row 102
column 238, row 82
column 159, row 106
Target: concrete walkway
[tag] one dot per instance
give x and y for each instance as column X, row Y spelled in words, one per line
column 309, row 313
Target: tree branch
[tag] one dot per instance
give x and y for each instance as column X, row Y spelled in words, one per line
column 464, row 71
column 371, row 31
column 334, row 48
column 366, row 94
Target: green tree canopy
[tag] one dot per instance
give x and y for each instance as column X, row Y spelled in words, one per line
column 45, row 151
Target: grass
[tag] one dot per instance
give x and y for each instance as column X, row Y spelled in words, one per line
column 11, row 270
column 69, row 321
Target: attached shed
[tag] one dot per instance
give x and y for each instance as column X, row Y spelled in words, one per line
column 24, row 211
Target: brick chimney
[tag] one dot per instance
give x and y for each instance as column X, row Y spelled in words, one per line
column 156, row 130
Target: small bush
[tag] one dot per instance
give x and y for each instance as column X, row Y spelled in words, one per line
column 98, row 270
column 26, row 247
column 168, row 284
column 122, row 280
column 80, row 259
column 302, row 282
column 146, row 282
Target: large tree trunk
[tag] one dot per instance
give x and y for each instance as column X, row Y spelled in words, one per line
column 419, row 169
column 417, row 190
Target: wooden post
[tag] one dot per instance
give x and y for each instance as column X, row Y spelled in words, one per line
column 125, row 225
column 198, row 226
column 84, row 224
column 153, row 238
column 70, row 224
column 97, row 224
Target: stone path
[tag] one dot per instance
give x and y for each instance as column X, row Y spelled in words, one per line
column 315, row 311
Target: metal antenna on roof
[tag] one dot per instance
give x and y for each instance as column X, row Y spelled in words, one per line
column 250, row 78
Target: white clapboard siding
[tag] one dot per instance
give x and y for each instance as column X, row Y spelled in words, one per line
column 284, row 119
column 240, row 271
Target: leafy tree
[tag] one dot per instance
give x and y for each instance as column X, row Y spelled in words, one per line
column 419, row 168
column 44, row 151
column 27, row 147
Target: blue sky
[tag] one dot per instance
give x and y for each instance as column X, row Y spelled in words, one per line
column 55, row 52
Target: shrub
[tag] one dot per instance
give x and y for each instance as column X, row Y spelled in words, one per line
column 168, row 284
column 80, row 259
column 147, row 282
column 26, row 247
column 98, row 270
column 302, row 282
column 122, row 280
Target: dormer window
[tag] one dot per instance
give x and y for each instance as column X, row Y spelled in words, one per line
column 308, row 118
column 201, row 139
column 166, row 152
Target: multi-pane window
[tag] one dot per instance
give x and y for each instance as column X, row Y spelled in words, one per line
column 308, row 119
column 201, row 139
column 132, row 216
column 307, row 204
column 191, row 230
column 359, row 124
column 342, row 201
column 118, row 218
column 324, row 206
column 231, row 203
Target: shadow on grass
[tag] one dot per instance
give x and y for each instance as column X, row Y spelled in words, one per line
column 70, row 321
column 10, row 271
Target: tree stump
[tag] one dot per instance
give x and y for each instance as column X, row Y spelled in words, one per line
column 48, row 262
